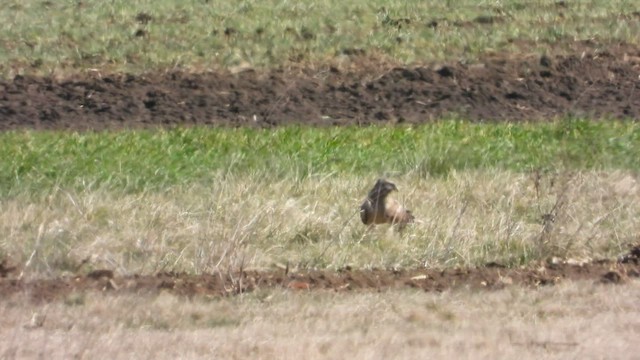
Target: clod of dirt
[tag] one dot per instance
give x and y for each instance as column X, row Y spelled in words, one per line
column 167, row 284
column 486, row 19
column 100, row 274
column 307, row 34
column 397, row 23
column 352, row 52
column 494, row 264
column 633, row 256
column 143, row 18
column 612, row 277
column 6, row 268
column 545, row 61
column 140, row 33
column 445, row 71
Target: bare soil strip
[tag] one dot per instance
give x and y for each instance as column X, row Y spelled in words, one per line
column 490, row 277
column 592, row 81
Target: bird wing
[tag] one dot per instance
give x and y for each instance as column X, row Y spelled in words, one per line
column 366, row 212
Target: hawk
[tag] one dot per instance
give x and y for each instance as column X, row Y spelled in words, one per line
column 380, row 208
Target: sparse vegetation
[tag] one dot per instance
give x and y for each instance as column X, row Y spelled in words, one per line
column 97, row 36
column 465, row 218
column 555, row 322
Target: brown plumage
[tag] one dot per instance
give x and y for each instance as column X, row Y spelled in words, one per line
column 380, row 208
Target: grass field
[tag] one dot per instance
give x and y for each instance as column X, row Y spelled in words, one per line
column 135, row 161
column 200, row 200
column 69, row 37
column 206, row 200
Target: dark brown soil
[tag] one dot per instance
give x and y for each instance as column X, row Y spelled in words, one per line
column 491, row 277
column 591, row 82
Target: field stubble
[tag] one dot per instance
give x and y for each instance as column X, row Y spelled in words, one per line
column 574, row 319
column 467, row 218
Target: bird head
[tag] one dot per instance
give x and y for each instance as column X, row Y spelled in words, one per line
column 383, row 188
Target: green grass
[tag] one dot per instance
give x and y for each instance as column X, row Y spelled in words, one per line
column 65, row 36
column 207, row 199
column 133, row 161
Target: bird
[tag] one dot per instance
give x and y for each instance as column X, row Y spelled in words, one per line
column 380, row 208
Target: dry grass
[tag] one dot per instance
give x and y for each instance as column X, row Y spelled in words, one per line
column 571, row 320
column 465, row 218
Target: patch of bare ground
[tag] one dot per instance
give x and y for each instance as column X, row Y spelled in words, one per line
column 492, row 276
column 590, row 80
